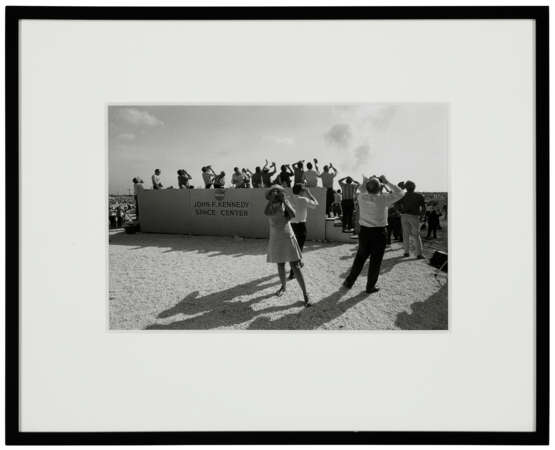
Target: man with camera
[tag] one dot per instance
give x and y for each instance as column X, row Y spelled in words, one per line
column 373, row 204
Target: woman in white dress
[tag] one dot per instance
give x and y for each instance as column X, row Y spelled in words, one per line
column 282, row 246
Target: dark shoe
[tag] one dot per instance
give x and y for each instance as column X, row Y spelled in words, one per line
column 347, row 285
column 406, row 255
column 420, row 257
column 372, row 290
column 307, row 303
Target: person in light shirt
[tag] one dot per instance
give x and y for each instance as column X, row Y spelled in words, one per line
column 311, row 175
column 156, row 184
column 327, row 177
column 301, row 200
column 373, row 205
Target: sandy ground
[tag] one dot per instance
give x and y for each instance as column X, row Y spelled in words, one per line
column 177, row 282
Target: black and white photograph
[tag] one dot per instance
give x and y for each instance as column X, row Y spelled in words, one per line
column 278, row 216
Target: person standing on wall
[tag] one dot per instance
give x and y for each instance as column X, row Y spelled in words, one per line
column 311, row 175
column 256, row 177
column 298, row 173
column 301, row 200
column 156, row 184
column 348, row 190
column 412, row 207
column 327, row 182
column 282, row 245
column 219, row 180
column 247, row 176
column 137, row 187
column 284, row 176
column 373, row 205
column 183, row 179
column 267, row 175
column 237, row 178
column 208, row 176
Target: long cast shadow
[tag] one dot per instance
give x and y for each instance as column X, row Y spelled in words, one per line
column 431, row 314
column 219, row 309
column 322, row 312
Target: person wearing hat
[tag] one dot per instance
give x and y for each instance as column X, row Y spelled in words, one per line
column 282, row 244
column 373, row 205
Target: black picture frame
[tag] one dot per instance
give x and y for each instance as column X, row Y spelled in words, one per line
column 14, row 14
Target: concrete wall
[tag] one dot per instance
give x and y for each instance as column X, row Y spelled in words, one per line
column 217, row 212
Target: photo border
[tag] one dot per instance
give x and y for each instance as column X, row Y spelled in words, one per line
column 13, row 14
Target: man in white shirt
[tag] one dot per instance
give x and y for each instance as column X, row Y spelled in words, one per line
column 373, row 205
column 301, row 200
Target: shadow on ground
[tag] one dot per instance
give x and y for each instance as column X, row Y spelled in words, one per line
column 219, row 309
column 431, row 314
column 322, row 312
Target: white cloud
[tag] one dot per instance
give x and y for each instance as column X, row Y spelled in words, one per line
column 137, row 117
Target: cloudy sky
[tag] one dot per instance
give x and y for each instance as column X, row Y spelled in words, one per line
column 402, row 141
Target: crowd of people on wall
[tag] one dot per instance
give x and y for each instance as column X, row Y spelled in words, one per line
column 403, row 216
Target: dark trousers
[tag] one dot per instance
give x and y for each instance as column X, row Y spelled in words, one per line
column 329, row 200
column 136, row 207
column 432, row 229
column 300, row 233
column 371, row 243
column 348, row 207
column 394, row 227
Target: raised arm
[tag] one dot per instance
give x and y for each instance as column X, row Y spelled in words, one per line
column 312, row 202
column 316, row 166
column 274, row 171
column 396, row 192
column 289, row 211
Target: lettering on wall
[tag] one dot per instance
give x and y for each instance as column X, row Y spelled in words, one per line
column 223, row 208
